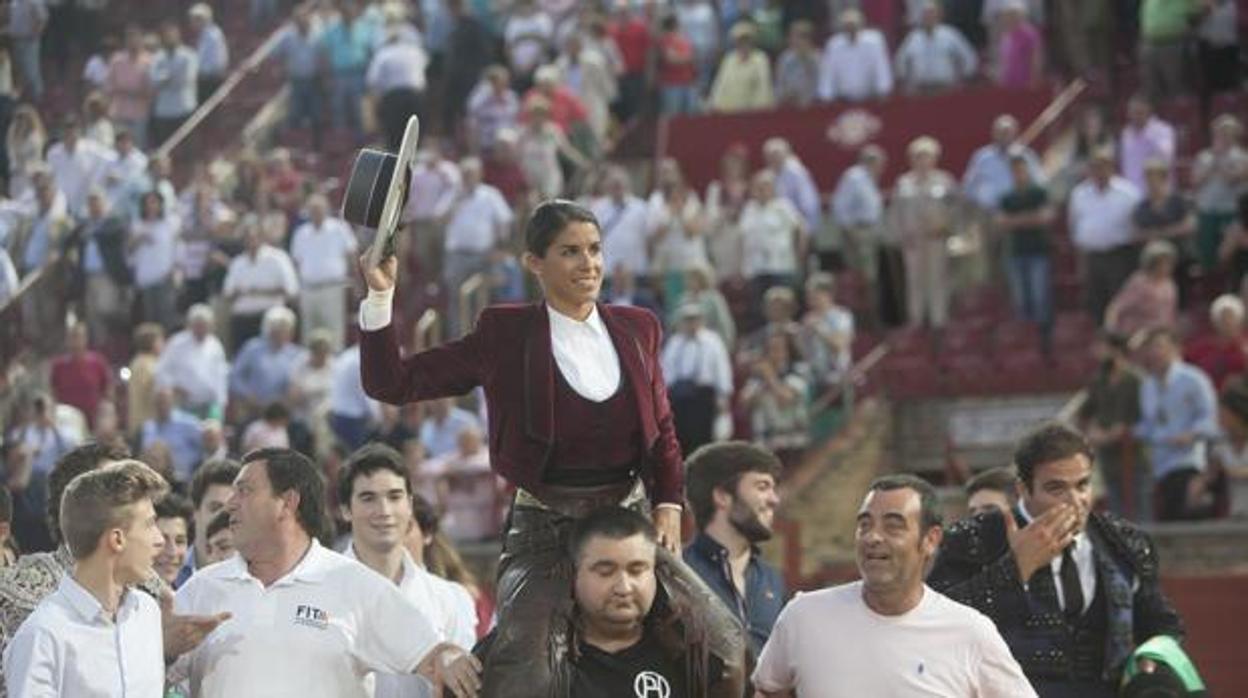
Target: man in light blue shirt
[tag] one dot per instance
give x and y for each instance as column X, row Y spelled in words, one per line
column 987, row 176
column 1179, row 412
column 348, row 47
column 179, row 431
column 439, row 433
column 299, row 53
column 857, row 207
column 211, row 49
column 264, row 366
column 174, row 72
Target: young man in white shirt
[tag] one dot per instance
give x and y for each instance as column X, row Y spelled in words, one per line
column 97, row 635
column 375, row 495
column 908, row 640
column 310, row 623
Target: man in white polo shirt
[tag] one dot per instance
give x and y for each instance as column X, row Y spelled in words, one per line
column 894, row 636
column 97, row 635
column 307, row 622
column 323, row 249
column 479, row 219
column 1100, row 210
column 376, row 499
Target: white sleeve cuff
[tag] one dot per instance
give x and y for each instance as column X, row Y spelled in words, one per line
column 375, row 310
column 669, row 505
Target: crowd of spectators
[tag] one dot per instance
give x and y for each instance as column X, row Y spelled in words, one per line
column 214, row 315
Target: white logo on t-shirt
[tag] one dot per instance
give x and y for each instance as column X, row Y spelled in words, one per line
column 648, row 684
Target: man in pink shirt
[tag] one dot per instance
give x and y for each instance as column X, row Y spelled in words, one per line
column 81, row 377
column 1021, row 59
column 1144, row 137
column 129, row 87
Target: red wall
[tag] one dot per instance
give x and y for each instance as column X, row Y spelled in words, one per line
column 1215, row 610
column 961, row 121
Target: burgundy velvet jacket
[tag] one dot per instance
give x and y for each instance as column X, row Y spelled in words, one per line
column 509, row 355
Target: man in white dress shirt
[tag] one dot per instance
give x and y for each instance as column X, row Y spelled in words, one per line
column 855, row 63
column 323, row 249
column 895, row 636
column 699, row 374
column 479, row 219
column 625, row 233
column 1100, row 214
column 396, row 77
column 307, row 622
column 98, row 635
column 78, row 164
column 260, row 278
column 193, row 363
column 375, row 494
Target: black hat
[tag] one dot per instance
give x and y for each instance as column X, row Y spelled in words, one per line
column 375, row 195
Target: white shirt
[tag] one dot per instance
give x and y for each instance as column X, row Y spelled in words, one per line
column 70, row 647
column 524, row 55
column 448, row 606
column 829, row 643
column 1084, row 561
column 320, row 252
column 585, row 354
column 75, row 173
column 397, row 65
column 261, row 281
column 769, row 237
column 855, row 71
column 153, row 259
column 702, row 359
column 478, row 220
column 624, row 234
column 120, row 177
column 1100, row 220
column 317, row 632
column 940, row 58
column 676, row 250
column 198, row 368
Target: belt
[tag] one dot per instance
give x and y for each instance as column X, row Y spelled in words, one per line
column 576, row 502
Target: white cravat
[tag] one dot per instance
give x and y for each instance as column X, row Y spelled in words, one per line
column 585, row 354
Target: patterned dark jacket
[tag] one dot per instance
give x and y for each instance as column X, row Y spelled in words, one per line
column 976, row 567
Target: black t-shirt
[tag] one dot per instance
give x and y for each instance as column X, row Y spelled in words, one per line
column 1027, row 240
column 640, row 671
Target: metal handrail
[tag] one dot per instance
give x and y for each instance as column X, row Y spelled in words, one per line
column 856, row 374
column 428, row 330
column 474, row 285
column 1054, row 111
column 247, row 67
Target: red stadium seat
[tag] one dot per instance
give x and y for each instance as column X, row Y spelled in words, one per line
column 1016, row 335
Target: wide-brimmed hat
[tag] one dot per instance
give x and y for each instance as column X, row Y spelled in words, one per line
column 377, row 191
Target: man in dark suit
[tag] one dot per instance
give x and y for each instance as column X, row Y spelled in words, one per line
column 579, row 419
column 1072, row 591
